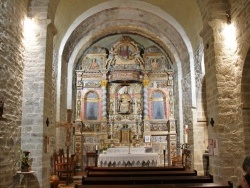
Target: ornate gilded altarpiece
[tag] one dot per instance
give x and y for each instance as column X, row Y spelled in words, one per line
column 124, row 95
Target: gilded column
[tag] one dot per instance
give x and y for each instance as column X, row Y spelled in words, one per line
column 79, row 85
column 104, row 99
column 145, row 98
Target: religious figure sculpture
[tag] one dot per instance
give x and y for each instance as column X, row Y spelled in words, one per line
column 125, row 102
column 138, row 59
column 111, row 58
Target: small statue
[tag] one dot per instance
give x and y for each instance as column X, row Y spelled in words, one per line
column 111, row 58
column 1, row 107
column 138, row 59
column 125, row 102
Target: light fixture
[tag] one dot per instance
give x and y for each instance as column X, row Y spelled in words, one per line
column 228, row 18
column 211, row 122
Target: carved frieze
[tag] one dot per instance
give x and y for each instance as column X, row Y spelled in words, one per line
column 93, row 84
column 161, row 76
column 158, row 127
column 91, row 75
column 118, row 76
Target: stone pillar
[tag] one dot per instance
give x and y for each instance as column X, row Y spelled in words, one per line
column 37, row 98
column 222, row 105
column 172, row 151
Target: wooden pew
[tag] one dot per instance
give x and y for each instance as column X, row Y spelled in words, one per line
column 147, row 180
column 141, row 173
column 184, row 185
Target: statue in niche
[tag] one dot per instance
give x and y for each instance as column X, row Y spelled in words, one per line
column 139, row 107
column 125, row 102
column 111, row 58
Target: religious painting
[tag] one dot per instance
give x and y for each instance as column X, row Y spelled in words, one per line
column 147, row 138
column 158, row 105
column 125, row 51
column 94, row 64
column 91, row 101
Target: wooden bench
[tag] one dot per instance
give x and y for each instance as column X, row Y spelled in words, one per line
column 182, row 185
column 146, row 173
column 143, row 180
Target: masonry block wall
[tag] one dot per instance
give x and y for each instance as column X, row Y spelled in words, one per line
column 224, row 65
column 12, row 14
column 241, row 14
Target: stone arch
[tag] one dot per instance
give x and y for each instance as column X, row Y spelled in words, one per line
column 97, row 23
column 69, row 49
column 245, row 95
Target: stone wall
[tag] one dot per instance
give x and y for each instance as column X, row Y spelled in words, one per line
column 12, row 14
column 223, row 65
column 240, row 14
column 39, row 91
column 200, row 125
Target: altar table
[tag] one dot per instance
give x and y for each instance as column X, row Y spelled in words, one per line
column 133, row 159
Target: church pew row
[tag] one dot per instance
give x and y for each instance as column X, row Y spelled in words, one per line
column 141, row 173
column 167, row 168
column 146, row 180
column 182, row 185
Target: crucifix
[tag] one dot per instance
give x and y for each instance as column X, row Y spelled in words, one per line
column 68, row 126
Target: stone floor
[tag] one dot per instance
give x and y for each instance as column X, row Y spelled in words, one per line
column 77, row 179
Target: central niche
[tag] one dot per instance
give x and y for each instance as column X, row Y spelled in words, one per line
column 125, row 99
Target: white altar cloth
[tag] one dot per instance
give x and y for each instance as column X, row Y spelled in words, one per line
column 123, row 159
column 126, row 150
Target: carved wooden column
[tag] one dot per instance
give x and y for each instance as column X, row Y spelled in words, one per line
column 78, row 96
column 145, row 106
column 104, row 99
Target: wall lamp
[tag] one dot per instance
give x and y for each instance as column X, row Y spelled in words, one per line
column 211, row 122
column 47, row 122
column 228, row 18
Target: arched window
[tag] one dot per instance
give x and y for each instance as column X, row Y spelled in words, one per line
column 158, row 107
column 91, row 101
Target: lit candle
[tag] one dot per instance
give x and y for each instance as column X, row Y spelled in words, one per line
column 96, row 147
column 186, row 133
column 164, row 147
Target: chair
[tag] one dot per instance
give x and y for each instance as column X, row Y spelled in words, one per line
column 65, row 169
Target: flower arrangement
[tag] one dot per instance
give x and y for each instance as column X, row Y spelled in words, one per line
column 25, row 161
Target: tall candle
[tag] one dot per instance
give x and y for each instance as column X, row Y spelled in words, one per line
column 186, row 133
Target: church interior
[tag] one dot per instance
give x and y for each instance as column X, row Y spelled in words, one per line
column 123, row 84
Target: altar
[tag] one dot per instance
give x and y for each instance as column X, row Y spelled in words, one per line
column 125, row 97
column 124, row 156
